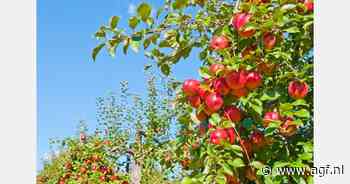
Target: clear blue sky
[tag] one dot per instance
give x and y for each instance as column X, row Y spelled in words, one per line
column 68, row 81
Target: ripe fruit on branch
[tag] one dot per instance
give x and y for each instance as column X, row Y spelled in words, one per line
column 236, row 79
column 242, row 92
column 214, row 102
column 195, row 101
column 82, row 137
column 114, row 178
column 190, row 87
column 218, row 136
column 231, row 135
column 238, row 21
column 215, row 68
column 270, row 117
column 288, row 128
column 266, row 68
column 102, row 178
column 219, row 42
column 68, row 166
column 202, row 93
column 254, row 80
column 201, row 116
column 309, row 4
column 232, row 113
column 248, row 51
column 298, row 89
column 220, row 86
column 185, row 163
column 83, row 170
column 257, row 138
column 96, row 158
column 269, row 40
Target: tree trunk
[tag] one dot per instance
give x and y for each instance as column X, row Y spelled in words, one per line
column 135, row 169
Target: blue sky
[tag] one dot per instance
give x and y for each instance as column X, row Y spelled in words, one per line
column 68, row 81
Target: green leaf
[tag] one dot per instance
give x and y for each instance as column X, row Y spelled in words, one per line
column 133, row 22
column 236, row 147
column 179, row 4
column 257, row 107
column 247, row 123
column 236, row 163
column 187, row 180
column 300, row 102
column 113, row 22
column 144, row 11
column 303, row 113
column 270, row 96
column 135, row 45
column 292, row 30
column 165, row 68
column 96, row 50
column 204, row 72
column 227, row 169
column 257, row 164
column 279, row 164
column 215, row 119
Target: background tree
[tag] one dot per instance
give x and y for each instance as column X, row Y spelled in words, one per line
column 132, row 142
column 254, row 104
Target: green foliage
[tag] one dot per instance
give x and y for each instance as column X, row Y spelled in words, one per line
column 183, row 25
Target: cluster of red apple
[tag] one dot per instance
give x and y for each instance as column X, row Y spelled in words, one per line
column 238, row 84
column 210, row 94
column 90, row 165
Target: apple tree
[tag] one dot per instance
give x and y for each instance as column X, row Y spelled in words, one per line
column 253, row 106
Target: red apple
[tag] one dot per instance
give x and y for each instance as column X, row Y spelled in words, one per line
column 195, row 101
column 218, row 136
column 236, row 80
column 231, row 135
column 102, row 178
column 190, row 87
column 202, row 129
column 232, row 113
column 219, row 42
column 270, row 117
column 288, row 128
column 96, row 158
column 83, row 170
column 220, row 86
column 215, row 68
column 114, row 178
column 82, row 137
column 298, row 89
column 269, row 40
column 201, row 116
column 257, row 138
column 94, row 167
column 248, row 51
column 239, row 21
column 266, row 68
column 242, row 92
column 214, row 102
column 254, row 80
column 309, row 4
column 68, row 166
column 202, row 93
